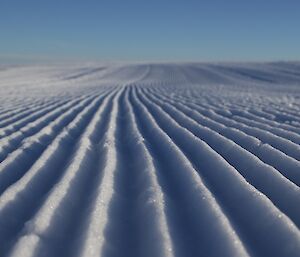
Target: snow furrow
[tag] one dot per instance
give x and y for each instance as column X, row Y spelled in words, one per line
column 94, row 241
column 191, row 189
column 284, row 145
column 30, row 190
column 150, row 159
column 29, row 107
column 21, row 112
column 15, row 139
column 132, row 198
column 154, row 196
column 53, row 214
column 291, row 136
column 221, row 176
column 31, row 118
column 284, row 194
column 266, row 121
column 288, row 166
column 32, row 147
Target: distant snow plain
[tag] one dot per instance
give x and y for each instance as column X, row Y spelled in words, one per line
column 149, row 160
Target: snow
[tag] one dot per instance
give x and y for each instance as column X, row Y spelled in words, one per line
column 166, row 159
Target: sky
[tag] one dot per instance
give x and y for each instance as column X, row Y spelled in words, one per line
column 160, row 30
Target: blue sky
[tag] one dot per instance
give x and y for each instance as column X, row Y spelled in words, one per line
column 209, row 30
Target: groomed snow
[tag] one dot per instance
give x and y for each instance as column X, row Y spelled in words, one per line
column 144, row 160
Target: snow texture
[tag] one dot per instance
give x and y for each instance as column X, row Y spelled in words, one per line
column 144, row 160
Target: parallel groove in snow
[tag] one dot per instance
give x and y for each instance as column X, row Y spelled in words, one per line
column 262, row 176
column 286, row 165
column 41, row 176
column 206, row 206
column 39, row 227
column 150, row 160
column 36, row 144
column 94, row 241
column 137, row 197
column 13, row 141
column 264, row 208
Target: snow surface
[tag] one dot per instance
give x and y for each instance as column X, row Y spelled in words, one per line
column 150, row 160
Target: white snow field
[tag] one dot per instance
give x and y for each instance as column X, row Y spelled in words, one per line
column 150, row 160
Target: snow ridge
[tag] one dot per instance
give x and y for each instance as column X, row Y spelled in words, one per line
column 150, row 160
